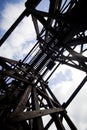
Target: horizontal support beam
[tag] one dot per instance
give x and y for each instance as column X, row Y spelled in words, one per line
column 12, row 75
column 33, row 114
column 11, row 61
column 77, row 41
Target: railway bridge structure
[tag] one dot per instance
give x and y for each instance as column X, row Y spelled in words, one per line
column 25, row 96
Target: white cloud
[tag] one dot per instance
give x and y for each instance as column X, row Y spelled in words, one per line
column 78, row 109
column 22, row 37
column 10, row 13
column 63, row 90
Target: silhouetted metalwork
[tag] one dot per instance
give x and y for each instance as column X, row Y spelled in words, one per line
column 25, row 96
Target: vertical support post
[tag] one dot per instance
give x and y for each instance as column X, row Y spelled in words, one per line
column 55, row 116
column 23, row 100
column 37, row 122
column 64, row 114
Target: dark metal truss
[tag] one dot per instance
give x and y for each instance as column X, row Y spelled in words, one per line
column 25, row 96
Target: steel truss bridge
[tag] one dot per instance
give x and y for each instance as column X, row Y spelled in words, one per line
column 25, row 96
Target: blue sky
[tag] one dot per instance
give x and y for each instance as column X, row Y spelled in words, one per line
column 64, row 80
column 2, row 6
column 3, row 2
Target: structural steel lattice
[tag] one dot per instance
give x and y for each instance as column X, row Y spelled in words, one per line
column 25, row 96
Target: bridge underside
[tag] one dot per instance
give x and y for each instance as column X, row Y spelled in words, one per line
column 25, row 96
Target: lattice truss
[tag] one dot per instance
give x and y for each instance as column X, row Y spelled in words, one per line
column 25, row 97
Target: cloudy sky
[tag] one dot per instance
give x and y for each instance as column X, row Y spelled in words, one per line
column 64, row 80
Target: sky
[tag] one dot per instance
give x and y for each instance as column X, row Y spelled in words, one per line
column 64, row 80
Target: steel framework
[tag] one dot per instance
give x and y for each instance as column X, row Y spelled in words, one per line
column 25, row 96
